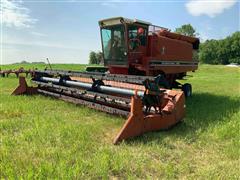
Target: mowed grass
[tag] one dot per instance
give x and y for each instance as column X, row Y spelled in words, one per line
column 46, row 138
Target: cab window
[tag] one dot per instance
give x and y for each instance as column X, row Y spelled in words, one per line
column 114, row 47
column 137, row 36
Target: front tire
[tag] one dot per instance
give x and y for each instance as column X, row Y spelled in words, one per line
column 187, row 89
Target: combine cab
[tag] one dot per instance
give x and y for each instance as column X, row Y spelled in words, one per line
column 139, row 62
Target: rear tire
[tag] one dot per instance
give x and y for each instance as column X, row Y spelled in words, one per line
column 187, row 89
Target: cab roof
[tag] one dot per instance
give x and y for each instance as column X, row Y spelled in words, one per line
column 119, row 20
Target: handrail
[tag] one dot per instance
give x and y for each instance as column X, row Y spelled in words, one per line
column 156, row 28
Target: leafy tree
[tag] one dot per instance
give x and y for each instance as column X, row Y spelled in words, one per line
column 234, row 44
column 222, row 51
column 235, row 60
column 99, row 56
column 95, row 57
column 187, row 30
column 92, row 58
column 208, row 51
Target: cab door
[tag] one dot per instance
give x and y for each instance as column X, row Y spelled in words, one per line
column 137, row 46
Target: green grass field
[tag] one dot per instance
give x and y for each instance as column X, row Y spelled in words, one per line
column 46, row 138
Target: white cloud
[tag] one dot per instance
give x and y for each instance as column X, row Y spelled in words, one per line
column 109, row 4
column 210, row 8
column 41, row 44
column 21, row 41
column 14, row 14
column 38, row 34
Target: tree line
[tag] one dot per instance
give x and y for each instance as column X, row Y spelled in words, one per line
column 223, row 51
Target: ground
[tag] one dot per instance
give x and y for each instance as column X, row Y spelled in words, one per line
column 46, row 138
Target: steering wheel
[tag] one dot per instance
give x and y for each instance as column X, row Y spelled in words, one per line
column 134, row 43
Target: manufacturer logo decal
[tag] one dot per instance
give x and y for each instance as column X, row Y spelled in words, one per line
column 163, row 50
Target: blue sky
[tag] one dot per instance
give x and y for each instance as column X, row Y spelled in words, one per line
column 66, row 31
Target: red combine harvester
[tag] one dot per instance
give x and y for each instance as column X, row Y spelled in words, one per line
column 135, row 47
column 139, row 60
